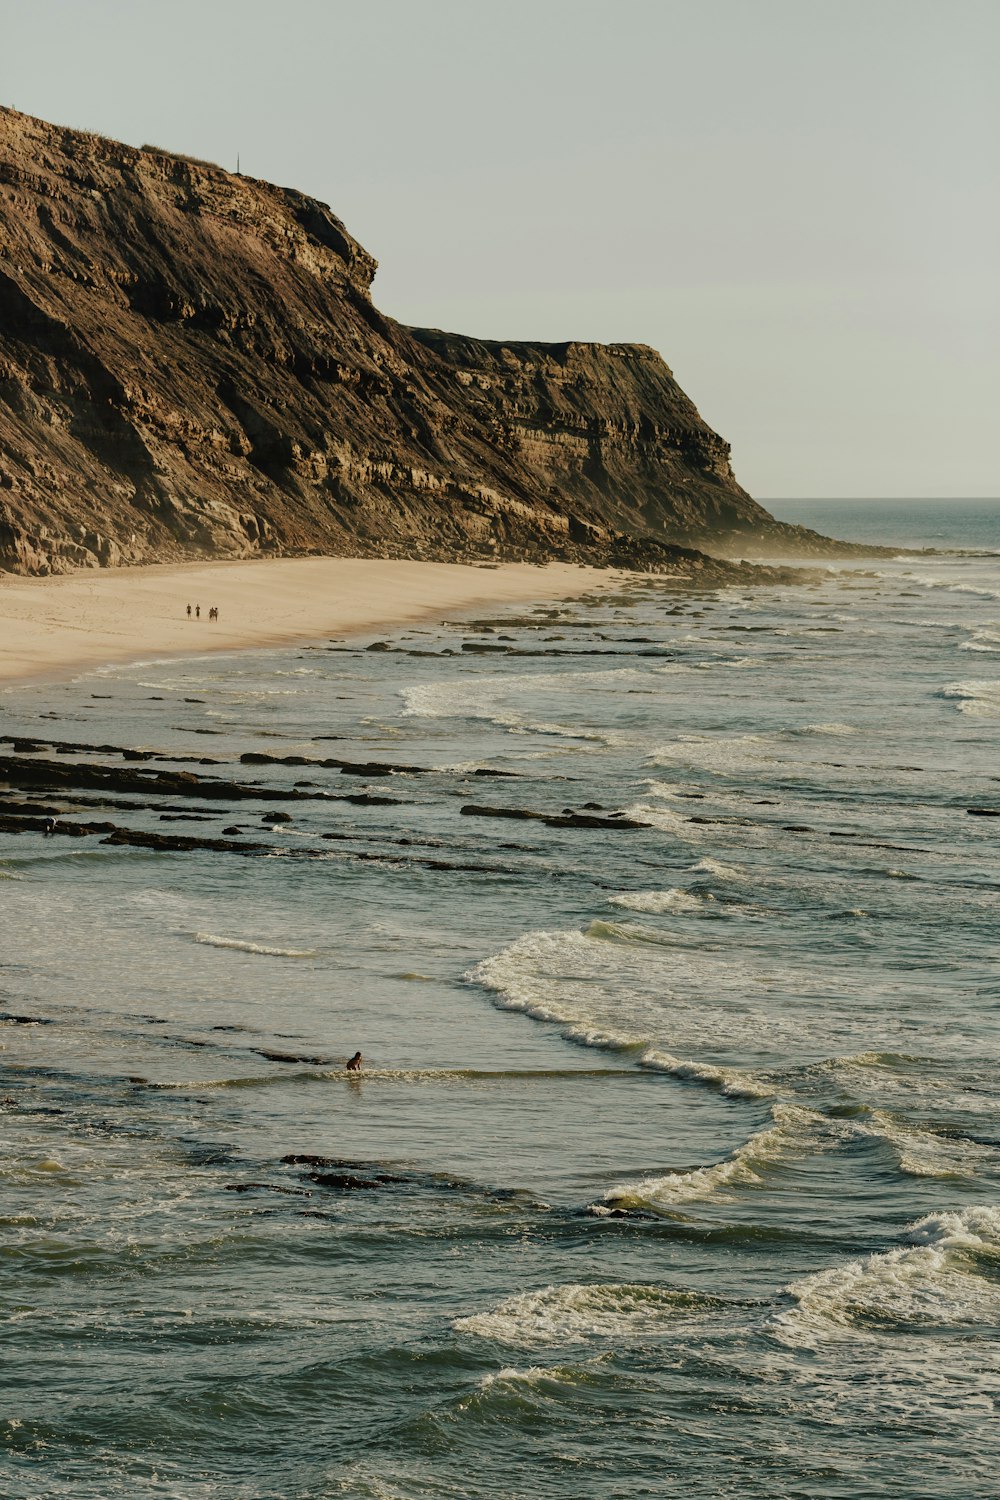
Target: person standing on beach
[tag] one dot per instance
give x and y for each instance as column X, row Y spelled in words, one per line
column 197, row 611
column 189, row 611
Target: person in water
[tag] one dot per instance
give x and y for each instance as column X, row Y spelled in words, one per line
column 354, row 1064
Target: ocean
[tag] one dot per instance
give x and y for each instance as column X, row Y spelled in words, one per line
column 672, row 1168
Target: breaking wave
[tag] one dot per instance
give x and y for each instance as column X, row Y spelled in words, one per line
column 934, row 1280
column 979, row 697
column 982, row 640
column 794, row 1132
column 655, row 902
column 574, row 1313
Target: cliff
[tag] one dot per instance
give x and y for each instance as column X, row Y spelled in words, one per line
column 191, row 365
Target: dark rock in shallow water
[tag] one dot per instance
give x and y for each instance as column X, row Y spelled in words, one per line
column 589, row 820
column 983, row 812
column 267, row 1187
column 473, row 810
column 344, row 1182
column 565, row 819
column 275, row 817
column 598, row 1211
column 178, row 843
column 293, row 1057
column 378, row 768
column 16, row 771
column 345, row 767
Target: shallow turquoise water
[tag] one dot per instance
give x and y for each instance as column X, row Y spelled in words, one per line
column 685, row 1139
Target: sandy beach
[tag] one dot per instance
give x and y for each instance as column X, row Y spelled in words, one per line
column 50, row 627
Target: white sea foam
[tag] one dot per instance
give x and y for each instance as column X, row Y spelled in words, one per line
column 826, row 729
column 575, row 1313
column 672, row 900
column 534, row 975
column 244, row 945
column 905, row 1083
column 625, row 985
column 929, row 581
column 793, row 1132
column 933, row 1280
column 490, row 697
column 533, row 1375
column 719, row 754
column 976, row 1228
column 663, row 818
column 718, row 870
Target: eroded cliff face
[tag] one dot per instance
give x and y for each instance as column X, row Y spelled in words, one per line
column 191, row 365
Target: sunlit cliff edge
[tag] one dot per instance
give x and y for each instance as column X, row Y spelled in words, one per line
column 191, row 366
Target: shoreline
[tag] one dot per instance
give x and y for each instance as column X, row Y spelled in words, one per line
column 54, row 627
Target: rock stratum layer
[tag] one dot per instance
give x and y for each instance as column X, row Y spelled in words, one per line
column 191, row 365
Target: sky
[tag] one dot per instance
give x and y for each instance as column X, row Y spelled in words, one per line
column 794, row 201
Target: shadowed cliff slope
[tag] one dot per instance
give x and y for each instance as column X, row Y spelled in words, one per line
column 191, row 365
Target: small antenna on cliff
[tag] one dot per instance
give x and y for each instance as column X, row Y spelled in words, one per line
column 238, row 164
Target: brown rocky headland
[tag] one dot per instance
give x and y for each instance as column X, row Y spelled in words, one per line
column 191, row 367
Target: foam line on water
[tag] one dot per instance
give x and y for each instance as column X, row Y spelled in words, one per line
column 369, row 1075
column 246, row 945
column 735, row 1083
column 549, row 976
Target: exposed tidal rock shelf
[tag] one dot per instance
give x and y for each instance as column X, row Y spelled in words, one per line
column 40, row 795
column 191, row 365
